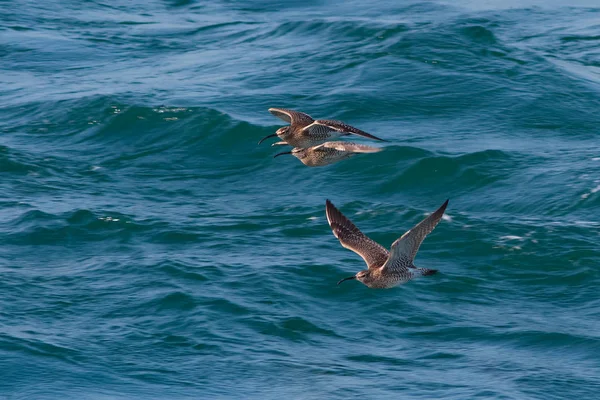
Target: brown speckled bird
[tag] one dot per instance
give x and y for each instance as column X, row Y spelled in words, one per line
column 385, row 269
column 328, row 153
column 304, row 131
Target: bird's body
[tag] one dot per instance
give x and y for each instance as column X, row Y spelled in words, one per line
column 386, row 269
column 328, row 153
column 379, row 279
column 304, row 131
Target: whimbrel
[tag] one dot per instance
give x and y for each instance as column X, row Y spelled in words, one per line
column 328, row 153
column 385, row 269
column 304, row 131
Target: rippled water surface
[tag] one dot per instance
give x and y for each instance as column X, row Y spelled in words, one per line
column 151, row 249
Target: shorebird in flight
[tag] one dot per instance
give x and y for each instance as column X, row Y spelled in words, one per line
column 304, row 131
column 328, row 153
column 385, row 269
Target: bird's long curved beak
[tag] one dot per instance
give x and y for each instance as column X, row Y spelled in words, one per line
column 266, row 137
column 347, row 279
column 280, row 154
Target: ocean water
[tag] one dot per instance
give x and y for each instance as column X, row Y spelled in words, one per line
column 150, row 249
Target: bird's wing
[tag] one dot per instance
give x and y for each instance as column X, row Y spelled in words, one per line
column 405, row 249
column 353, row 239
column 322, row 126
column 350, row 147
column 291, row 116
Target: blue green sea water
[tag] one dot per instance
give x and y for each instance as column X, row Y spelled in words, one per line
column 150, row 249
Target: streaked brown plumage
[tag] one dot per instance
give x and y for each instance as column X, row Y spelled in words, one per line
column 329, row 153
column 385, row 269
column 304, row 131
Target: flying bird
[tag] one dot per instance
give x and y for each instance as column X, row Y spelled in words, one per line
column 385, row 269
column 328, row 153
column 304, row 131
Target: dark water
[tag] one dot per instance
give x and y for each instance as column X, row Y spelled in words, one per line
column 151, row 249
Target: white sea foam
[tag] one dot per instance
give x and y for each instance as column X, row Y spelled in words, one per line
column 512, row 237
column 594, row 190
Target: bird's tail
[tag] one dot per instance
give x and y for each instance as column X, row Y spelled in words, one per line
column 424, row 271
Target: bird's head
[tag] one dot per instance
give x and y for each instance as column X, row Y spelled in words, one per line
column 364, row 276
column 297, row 152
column 281, row 132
